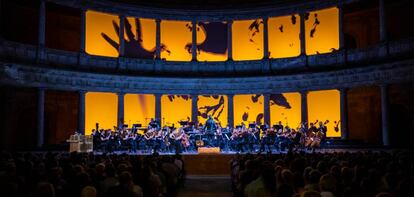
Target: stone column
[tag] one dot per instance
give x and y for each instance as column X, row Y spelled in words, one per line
column 158, row 39
column 42, row 24
column 194, row 40
column 82, row 31
column 385, row 117
column 344, row 113
column 81, row 112
column 121, row 35
column 40, row 118
column 120, row 116
column 265, row 38
column 41, row 33
column 382, row 21
column 341, row 27
column 302, row 34
column 158, row 108
column 229, row 40
column 304, row 107
column 266, row 110
column 194, row 108
column 230, row 115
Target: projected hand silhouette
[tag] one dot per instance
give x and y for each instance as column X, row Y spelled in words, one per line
column 133, row 45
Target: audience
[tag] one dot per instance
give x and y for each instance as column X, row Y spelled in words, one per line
column 88, row 175
column 295, row 174
column 337, row 174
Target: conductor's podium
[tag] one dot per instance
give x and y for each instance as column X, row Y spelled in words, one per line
column 80, row 143
column 208, row 150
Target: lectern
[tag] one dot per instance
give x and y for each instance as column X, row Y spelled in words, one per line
column 80, row 143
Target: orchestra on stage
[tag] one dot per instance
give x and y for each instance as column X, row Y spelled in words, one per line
column 188, row 137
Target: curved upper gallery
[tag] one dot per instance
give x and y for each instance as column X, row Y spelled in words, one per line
column 256, row 40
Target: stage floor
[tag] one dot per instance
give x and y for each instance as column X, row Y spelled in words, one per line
column 325, row 150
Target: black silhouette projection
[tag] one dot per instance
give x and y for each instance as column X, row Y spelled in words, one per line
column 254, row 29
column 279, row 99
column 133, row 46
column 216, row 38
column 315, row 24
column 275, row 99
column 215, row 109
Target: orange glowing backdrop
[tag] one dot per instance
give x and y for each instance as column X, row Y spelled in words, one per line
column 325, row 105
column 214, row 39
column 176, row 37
column 142, row 32
column 139, row 108
column 284, row 38
column 100, row 108
column 247, row 39
column 248, row 108
column 175, row 108
column 286, row 107
column 214, row 105
column 97, row 24
column 322, row 31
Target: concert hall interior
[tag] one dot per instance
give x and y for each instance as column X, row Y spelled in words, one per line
column 210, row 98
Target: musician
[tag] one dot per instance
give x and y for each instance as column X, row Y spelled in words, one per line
column 252, row 136
column 218, row 136
column 154, row 124
column 322, row 132
column 165, row 145
column 312, row 129
column 176, row 136
column 149, row 137
column 278, row 137
column 278, row 127
column 133, row 141
column 105, row 140
column 96, row 137
column 237, row 139
column 265, row 138
column 210, row 128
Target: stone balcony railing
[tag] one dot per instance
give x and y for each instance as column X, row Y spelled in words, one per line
column 22, row 53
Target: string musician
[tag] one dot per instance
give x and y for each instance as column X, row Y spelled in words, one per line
column 149, row 137
column 252, row 136
column 176, row 136
column 265, row 137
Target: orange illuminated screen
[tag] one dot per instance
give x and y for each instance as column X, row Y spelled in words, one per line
column 286, row 108
column 247, row 39
column 284, row 40
column 139, row 109
column 142, row 32
column 176, row 39
column 324, row 106
column 208, row 56
column 248, row 109
column 214, row 105
column 322, row 31
column 100, row 108
column 98, row 27
column 175, row 108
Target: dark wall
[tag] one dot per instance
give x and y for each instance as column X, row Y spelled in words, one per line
column 61, row 115
column 400, row 17
column 401, row 97
column 19, row 20
column 62, row 27
column 364, row 114
column 361, row 24
column 19, row 109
